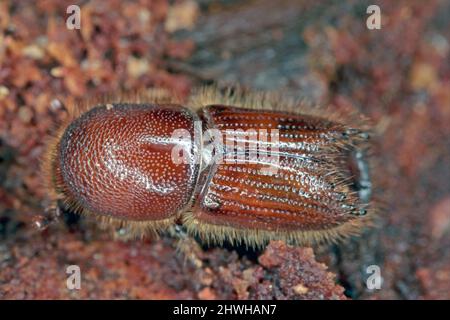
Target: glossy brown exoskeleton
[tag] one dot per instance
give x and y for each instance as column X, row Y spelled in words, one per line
column 249, row 168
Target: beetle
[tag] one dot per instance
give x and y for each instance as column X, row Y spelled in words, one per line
column 224, row 165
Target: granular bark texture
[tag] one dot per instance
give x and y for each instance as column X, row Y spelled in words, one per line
column 322, row 51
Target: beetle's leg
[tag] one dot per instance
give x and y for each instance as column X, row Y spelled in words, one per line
column 187, row 245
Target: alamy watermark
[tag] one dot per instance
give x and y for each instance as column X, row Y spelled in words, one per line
column 73, row 281
column 73, row 21
column 374, row 20
column 229, row 146
column 374, row 281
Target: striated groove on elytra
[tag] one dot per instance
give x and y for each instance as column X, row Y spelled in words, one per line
column 272, row 192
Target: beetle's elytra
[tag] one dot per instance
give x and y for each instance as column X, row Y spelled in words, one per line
column 238, row 167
